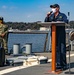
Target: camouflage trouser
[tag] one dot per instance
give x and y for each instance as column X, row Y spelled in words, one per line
column 3, row 43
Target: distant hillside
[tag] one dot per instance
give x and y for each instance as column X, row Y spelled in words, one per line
column 22, row 25
column 25, row 26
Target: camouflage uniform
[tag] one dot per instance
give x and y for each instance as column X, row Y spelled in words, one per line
column 4, row 40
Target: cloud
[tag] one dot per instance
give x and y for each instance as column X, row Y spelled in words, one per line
column 4, row 7
column 9, row 7
column 29, row 16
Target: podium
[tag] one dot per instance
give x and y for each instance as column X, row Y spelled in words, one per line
column 53, row 25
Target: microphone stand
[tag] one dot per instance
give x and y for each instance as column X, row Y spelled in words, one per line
column 69, row 42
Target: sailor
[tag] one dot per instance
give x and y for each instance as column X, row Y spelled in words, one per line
column 56, row 15
column 3, row 35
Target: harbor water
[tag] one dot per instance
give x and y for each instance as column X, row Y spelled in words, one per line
column 37, row 41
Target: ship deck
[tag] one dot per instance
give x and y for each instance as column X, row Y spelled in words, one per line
column 42, row 69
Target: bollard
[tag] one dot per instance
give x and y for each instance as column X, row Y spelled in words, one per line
column 28, row 48
column 16, row 48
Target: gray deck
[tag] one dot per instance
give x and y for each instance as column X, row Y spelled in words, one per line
column 42, row 69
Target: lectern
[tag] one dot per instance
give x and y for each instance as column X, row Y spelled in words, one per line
column 53, row 24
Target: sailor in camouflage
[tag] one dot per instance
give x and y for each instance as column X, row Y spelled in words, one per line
column 3, row 35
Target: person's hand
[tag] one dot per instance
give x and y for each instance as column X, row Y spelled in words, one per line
column 48, row 14
column 2, row 35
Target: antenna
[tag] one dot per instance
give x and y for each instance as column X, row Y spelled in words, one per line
column 69, row 42
column 68, row 13
column 68, row 17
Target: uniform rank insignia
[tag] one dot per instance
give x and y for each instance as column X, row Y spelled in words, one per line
column 60, row 16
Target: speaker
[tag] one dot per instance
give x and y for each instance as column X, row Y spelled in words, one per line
column 2, row 57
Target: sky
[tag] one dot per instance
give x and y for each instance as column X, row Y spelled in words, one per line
column 32, row 10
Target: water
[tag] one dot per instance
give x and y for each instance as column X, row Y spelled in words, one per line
column 37, row 41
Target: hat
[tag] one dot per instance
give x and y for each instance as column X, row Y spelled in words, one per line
column 1, row 18
column 54, row 6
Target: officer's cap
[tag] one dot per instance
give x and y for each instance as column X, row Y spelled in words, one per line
column 1, row 18
column 54, row 6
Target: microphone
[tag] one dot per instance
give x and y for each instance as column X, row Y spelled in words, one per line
column 49, row 13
